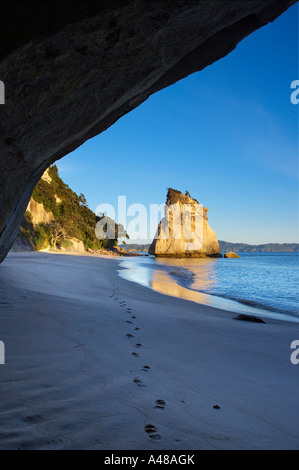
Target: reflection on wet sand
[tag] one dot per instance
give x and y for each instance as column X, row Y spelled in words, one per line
column 205, row 274
column 163, row 283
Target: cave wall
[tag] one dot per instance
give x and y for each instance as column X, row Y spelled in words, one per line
column 71, row 69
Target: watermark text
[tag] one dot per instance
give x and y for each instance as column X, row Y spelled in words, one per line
column 2, row 353
column 166, row 222
column 295, row 354
column 2, row 93
column 295, row 94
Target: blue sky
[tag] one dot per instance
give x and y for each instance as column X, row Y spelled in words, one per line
column 228, row 135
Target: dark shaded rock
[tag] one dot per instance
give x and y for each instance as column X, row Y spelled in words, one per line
column 71, row 69
column 249, row 318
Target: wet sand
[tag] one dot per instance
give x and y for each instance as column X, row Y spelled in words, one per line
column 94, row 361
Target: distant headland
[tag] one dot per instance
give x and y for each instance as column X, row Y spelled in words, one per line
column 236, row 247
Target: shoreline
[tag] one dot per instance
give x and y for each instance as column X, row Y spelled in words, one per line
column 78, row 338
column 232, row 305
column 163, row 282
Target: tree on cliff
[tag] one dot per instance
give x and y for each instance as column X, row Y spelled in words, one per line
column 73, row 218
column 57, row 233
column 82, row 200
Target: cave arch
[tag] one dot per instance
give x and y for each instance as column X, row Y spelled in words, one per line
column 71, row 69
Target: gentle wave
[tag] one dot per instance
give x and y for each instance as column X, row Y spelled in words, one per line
column 271, row 279
column 256, row 282
column 181, row 273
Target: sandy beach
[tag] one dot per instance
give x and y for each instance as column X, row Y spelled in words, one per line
column 92, row 359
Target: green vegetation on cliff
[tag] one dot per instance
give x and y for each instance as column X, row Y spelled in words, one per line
column 72, row 217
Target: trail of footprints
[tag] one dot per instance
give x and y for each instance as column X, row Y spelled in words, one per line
column 159, row 404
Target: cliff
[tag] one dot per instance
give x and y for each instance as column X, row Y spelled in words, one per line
column 58, row 219
column 38, row 213
column 184, row 230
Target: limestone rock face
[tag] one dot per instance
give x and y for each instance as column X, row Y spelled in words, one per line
column 184, row 231
column 71, row 69
column 76, row 246
column 39, row 213
column 231, row 254
column 37, row 210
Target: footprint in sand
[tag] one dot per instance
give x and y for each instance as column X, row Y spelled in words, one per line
column 151, row 430
column 160, row 404
column 138, row 382
column 34, row 419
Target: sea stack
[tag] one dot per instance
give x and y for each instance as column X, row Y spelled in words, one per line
column 184, row 231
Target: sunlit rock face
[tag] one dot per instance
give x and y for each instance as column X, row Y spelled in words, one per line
column 231, row 254
column 71, row 69
column 184, row 231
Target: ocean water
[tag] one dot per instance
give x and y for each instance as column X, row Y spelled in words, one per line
column 255, row 283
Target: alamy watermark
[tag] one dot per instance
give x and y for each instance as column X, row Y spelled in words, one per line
column 2, row 93
column 2, row 353
column 174, row 222
column 295, row 94
column 295, row 344
column 295, row 354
